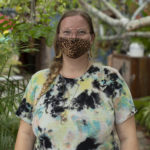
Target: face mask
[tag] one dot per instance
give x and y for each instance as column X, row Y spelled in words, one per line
column 73, row 47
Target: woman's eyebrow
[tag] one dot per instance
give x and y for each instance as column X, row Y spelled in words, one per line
column 81, row 28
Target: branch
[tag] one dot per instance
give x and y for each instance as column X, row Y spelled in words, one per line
column 125, row 35
column 32, row 13
column 102, row 16
column 139, row 9
column 135, row 24
column 123, row 22
column 114, row 10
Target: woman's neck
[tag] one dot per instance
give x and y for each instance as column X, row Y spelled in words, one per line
column 73, row 68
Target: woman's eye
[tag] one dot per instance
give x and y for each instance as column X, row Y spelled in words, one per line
column 81, row 32
column 66, row 32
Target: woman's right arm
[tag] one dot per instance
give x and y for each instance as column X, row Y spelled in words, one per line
column 25, row 138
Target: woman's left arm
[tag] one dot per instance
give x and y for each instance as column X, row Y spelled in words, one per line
column 127, row 134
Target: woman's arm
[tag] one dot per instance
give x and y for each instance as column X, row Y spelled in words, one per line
column 25, row 138
column 127, row 134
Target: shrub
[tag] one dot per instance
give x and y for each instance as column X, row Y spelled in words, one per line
column 143, row 114
column 11, row 92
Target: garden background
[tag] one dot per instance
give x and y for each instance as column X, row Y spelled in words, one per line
column 27, row 30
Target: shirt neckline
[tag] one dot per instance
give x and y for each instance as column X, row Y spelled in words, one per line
column 78, row 78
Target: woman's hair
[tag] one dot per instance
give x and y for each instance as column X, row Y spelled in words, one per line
column 56, row 64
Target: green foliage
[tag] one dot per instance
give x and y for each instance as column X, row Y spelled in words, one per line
column 30, row 23
column 11, row 93
column 5, row 23
column 8, row 47
column 142, row 102
column 37, row 21
column 25, row 30
column 8, row 132
column 132, row 5
column 143, row 114
column 8, row 54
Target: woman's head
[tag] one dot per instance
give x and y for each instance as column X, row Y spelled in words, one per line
column 72, row 13
column 74, row 24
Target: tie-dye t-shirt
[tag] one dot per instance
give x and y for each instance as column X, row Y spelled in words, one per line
column 77, row 114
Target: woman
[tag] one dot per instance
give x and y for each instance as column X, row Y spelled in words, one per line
column 76, row 104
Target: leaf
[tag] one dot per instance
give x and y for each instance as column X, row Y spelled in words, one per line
column 18, row 8
column 29, row 50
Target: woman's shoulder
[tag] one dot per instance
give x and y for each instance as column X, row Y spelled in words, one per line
column 104, row 67
column 43, row 72
column 106, row 70
column 40, row 76
column 110, row 69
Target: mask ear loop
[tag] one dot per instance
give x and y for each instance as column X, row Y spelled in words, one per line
column 92, row 47
column 90, row 51
column 90, row 55
column 59, row 55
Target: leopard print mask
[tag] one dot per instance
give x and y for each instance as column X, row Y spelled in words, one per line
column 73, row 47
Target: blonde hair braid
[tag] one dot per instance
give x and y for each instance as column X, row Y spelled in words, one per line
column 54, row 71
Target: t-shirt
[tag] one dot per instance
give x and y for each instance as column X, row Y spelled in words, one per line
column 79, row 113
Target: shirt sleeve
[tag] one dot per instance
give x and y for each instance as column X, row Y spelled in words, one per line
column 123, row 102
column 26, row 106
column 29, row 100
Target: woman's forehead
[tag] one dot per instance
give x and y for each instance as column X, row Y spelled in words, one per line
column 74, row 22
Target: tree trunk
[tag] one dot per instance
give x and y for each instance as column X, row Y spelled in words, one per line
column 43, row 57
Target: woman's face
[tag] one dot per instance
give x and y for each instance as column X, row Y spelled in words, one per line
column 75, row 27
